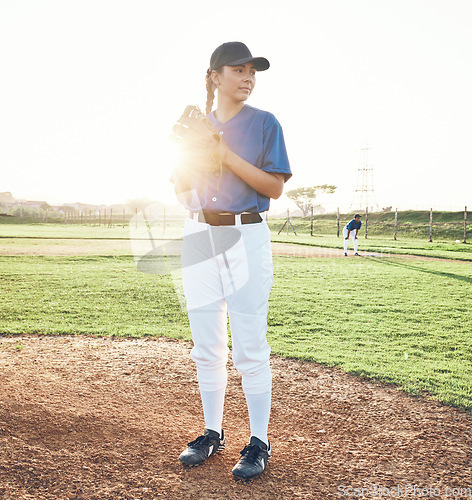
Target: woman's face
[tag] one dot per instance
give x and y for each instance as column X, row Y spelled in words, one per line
column 236, row 82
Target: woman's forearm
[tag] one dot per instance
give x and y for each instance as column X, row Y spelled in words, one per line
column 267, row 183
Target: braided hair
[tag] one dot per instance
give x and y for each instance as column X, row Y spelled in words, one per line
column 210, row 87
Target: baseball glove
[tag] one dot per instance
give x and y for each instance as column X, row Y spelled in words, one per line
column 202, row 146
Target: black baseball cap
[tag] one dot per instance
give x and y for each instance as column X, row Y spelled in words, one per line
column 356, row 216
column 234, row 54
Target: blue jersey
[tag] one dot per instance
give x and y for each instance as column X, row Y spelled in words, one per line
column 353, row 225
column 257, row 137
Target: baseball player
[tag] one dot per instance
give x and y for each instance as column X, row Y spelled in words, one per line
column 226, row 257
column 351, row 229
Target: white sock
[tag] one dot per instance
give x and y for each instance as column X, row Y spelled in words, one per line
column 258, row 406
column 213, row 404
column 356, row 243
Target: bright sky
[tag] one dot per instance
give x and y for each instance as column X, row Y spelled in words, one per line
column 90, row 90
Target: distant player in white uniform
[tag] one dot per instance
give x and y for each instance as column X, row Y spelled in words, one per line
column 351, row 229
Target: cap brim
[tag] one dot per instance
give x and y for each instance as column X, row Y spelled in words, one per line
column 260, row 63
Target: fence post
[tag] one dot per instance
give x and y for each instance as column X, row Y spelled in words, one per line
column 123, row 218
column 396, row 224
column 311, row 223
column 431, row 226
column 337, row 223
column 366, row 214
column 287, row 223
column 465, row 224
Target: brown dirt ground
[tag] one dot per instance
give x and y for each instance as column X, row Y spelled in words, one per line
column 309, row 251
column 61, row 247
column 103, row 418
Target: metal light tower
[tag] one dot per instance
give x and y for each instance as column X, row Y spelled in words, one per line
column 364, row 196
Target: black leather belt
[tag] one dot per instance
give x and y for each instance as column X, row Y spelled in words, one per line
column 222, row 219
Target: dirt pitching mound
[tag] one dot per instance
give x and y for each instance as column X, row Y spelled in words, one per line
column 102, row 418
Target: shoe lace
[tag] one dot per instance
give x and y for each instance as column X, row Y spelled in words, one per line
column 251, row 452
column 200, row 441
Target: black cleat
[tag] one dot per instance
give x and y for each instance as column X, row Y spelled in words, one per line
column 253, row 460
column 203, row 447
column 357, row 255
column 345, row 254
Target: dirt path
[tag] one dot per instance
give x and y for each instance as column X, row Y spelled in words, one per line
column 85, row 247
column 295, row 250
column 102, row 418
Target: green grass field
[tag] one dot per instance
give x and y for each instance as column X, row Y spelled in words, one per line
column 394, row 319
column 415, row 241
column 443, row 250
column 400, row 320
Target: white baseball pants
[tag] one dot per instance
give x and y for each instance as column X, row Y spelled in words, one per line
column 355, row 241
column 227, row 270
